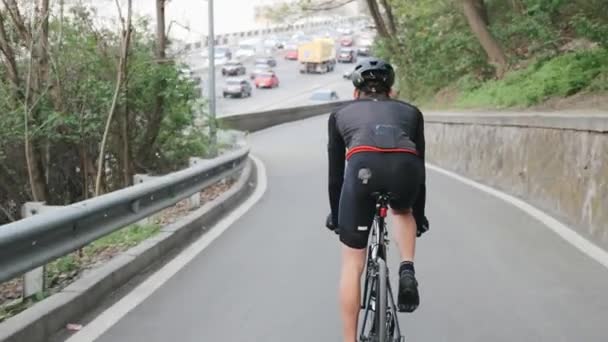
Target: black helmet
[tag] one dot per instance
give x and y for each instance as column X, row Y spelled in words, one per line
column 373, row 75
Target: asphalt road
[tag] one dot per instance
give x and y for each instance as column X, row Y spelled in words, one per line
column 488, row 272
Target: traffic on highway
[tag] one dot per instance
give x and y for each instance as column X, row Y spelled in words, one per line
column 290, row 70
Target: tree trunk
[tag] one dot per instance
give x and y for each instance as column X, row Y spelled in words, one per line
column 125, row 153
column 37, row 175
column 36, row 80
column 378, row 20
column 125, row 143
column 496, row 55
column 482, row 9
column 153, row 127
column 392, row 27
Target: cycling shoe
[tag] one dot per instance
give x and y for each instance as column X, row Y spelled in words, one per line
column 408, row 299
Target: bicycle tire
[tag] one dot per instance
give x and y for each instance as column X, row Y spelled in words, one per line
column 382, row 300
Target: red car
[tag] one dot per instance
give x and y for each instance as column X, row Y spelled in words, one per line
column 291, row 54
column 346, row 41
column 266, row 80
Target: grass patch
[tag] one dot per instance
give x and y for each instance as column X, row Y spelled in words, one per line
column 69, row 266
column 560, row 76
column 62, row 271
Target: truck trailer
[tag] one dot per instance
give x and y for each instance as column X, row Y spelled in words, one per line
column 317, row 56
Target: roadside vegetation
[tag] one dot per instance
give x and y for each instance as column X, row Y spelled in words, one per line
column 86, row 105
column 494, row 53
column 483, row 53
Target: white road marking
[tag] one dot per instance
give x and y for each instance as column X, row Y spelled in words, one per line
column 113, row 314
column 587, row 247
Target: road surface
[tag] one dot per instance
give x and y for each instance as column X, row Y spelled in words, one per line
column 488, row 271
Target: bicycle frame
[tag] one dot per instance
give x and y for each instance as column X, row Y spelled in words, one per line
column 378, row 249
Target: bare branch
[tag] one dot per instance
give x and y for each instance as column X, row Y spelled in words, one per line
column 122, row 64
column 121, row 18
column 9, row 54
column 325, row 5
column 7, row 214
column 13, row 10
column 26, row 118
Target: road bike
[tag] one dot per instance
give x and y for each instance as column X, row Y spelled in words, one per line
column 380, row 323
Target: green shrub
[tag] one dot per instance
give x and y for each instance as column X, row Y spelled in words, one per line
column 561, row 76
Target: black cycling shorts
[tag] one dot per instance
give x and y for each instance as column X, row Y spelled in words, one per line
column 401, row 174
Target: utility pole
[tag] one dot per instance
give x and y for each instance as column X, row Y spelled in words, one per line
column 211, row 83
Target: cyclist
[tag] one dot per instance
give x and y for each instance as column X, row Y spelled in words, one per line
column 383, row 141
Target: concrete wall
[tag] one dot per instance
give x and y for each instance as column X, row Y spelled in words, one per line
column 557, row 163
column 251, row 122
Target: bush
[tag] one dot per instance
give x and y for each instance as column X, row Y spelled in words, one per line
column 561, row 76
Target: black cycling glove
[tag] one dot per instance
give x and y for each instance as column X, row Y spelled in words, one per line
column 329, row 223
column 422, row 225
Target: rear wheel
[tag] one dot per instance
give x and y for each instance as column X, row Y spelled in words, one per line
column 382, row 301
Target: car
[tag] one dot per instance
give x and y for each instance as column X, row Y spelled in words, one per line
column 266, row 80
column 260, row 69
column 233, row 69
column 346, row 55
column 267, row 60
column 245, row 51
column 223, row 51
column 346, row 41
column 364, row 50
column 274, row 42
column 345, row 30
column 237, row 86
column 324, row 95
column 220, row 60
column 291, row 54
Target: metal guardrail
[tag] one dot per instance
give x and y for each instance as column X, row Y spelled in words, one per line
column 37, row 240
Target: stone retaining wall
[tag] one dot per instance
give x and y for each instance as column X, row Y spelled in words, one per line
column 559, row 163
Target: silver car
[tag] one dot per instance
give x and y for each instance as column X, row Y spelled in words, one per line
column 237, row 87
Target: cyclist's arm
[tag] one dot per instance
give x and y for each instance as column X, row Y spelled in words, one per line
column 420, row 146
column 336, row 154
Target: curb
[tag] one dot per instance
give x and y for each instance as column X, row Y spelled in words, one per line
column 47, row 317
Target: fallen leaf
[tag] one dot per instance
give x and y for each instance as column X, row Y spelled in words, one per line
column 74, row 327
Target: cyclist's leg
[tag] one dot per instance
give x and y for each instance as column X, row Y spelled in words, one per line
column 407, row 175
column 404, row 229
column 355, row 217
column 353, row 263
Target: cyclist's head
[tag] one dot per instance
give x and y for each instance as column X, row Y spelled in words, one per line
column 373, row 76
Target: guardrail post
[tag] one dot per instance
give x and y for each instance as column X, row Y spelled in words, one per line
column 139, row 178
column 195, row 200
column 33, row 281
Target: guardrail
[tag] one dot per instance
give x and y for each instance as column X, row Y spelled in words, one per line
column 37, row 240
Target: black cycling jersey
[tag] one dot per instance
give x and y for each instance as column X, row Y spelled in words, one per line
column 382, row 125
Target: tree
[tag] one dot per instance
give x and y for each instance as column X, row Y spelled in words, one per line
column 476, row 14
column 35, row 39
column 68, row 72
column 147, row 148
